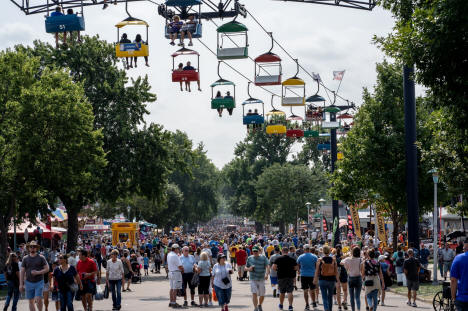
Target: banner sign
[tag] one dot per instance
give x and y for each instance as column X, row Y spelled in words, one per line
column 356, row 221
column 381, row 225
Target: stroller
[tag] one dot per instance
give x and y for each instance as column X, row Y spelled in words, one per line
column 136, row 277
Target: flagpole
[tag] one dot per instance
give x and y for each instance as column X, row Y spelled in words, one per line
column 342, row 77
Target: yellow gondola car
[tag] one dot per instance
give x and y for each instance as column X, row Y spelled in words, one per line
column 129, row 49
column 293, row 92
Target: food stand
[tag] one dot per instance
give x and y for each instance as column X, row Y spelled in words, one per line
column 122, row 232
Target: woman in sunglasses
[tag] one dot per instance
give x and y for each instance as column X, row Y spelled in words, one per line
column 68, row 282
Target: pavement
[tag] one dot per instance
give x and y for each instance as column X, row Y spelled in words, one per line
column 152, row 295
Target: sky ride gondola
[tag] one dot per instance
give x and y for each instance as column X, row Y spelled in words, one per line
column 268, row 70
column 276, row 120
column 185, row 75
column 255, row 119
column 183, row 7
column 129, row 49
column 220, row 102
column 61, row 22
column 294, row 129
column 226, row 33
column 293, row 91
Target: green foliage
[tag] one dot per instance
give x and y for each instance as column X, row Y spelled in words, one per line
column 374, row 162
column 283, row 190
column 432, row 35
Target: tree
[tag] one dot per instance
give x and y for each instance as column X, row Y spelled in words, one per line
column 119, row 107
column 424, row 32
column 283, row 190
column 47, row 138
column 373, row 167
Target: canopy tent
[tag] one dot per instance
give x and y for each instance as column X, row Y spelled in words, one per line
column 98, row 228
column 32, row 229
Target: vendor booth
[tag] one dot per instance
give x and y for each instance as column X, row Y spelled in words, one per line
column 125, row 232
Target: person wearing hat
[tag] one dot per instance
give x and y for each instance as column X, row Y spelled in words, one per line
column 259, row 268
column 459, row 279
column 221, row 281
column 33, row 267
column 385, row 267
column 176, row 269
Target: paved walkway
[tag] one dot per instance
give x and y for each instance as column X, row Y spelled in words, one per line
column 152, row 295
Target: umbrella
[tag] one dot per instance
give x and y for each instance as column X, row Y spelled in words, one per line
column 455, row 234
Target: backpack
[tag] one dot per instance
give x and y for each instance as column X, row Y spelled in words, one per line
column 400, row 260
column 371, row 268
column 328, row 269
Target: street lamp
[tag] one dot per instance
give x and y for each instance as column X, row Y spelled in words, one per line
column 321, row 201
column 435, row 179
column 308, row 220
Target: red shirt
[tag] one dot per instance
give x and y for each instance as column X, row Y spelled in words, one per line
column 86, row 266
column 241, row 257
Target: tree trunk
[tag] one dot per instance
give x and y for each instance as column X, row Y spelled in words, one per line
column 73, row 208
column 282, row 227
column 4, row 222
column 258, row 227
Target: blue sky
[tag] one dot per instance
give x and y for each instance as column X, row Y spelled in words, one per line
column 322, row 38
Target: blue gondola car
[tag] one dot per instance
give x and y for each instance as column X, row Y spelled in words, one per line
column 185, row 5
column 63, row 23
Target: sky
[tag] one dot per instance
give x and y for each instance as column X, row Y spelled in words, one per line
column 323, row 38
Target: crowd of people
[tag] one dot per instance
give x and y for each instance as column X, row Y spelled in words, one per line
column 205, row 264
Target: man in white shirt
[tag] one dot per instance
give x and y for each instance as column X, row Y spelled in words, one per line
column 114, row 277
column 72, row 259
column 175, row 274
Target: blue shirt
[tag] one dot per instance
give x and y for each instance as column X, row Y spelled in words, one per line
column 423, row 255
column 459, row 271
column 146, row 261
column 56, row 14
column 307, row 261
column 214, row 251
column 187, row 263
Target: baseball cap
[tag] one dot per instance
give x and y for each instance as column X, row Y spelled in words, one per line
column 175, row 245
column 255, row 249
column 307, row 246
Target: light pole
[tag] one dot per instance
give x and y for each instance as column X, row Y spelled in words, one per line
column 308, row 220
column 435, row 179
column 321, row 201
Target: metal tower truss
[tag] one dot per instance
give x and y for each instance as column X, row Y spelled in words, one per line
column 228, row 9
column 353, row 4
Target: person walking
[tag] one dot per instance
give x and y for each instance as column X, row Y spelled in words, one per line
column 67, row 281
column 447, row 257
column 87, row 270
column 273, row 273
column 459, row 279
column 189, row 264
column 411, row 268
column 241, row 259
column 128, row 272
column 353, row 267
column 33, row 267
column 307, row 263
column 373, row 279
column 286, row 268
column 204, row 271
column 175, row 275
column 221, row 282
column 12, row 277
column 259, row 268
column 114, row 278
column 326, row 276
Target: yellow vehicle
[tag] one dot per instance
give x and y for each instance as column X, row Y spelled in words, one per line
column 293, row 91
column 276, row 120
column 122, row 232
column 127, row 48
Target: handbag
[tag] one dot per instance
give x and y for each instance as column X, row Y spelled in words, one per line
column 195, row 280
column 226, row 280
column 106, row 292
column 73, row 287
column 369, row 283
column 99, row 293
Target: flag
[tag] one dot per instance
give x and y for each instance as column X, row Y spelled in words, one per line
column 338, row 75
column 356, row 221
column 381, row 228
column 316, row 77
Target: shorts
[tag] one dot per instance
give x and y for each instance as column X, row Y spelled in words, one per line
column 286, row 285
column 233, row 260
column 307, row 282
column 175, row 280
column 187, row 280
column 190, row 29
column 146, row 267
column 412, row 285
column 33, row 289
column 89, row 287
column 128, row 276
column 257, row 287
column 46, row 287
column 274, row 280
column 447, row 265
column 173, row 30
column 241, row 269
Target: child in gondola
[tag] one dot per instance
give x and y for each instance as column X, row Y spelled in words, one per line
column 174, row 29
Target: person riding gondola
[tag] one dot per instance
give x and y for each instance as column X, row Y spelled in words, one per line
column 124, row 39
column 174, row 29
column 188, row 29
column 138, row 40
column 228, row 95
column 220, row 110
column 187, row 83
